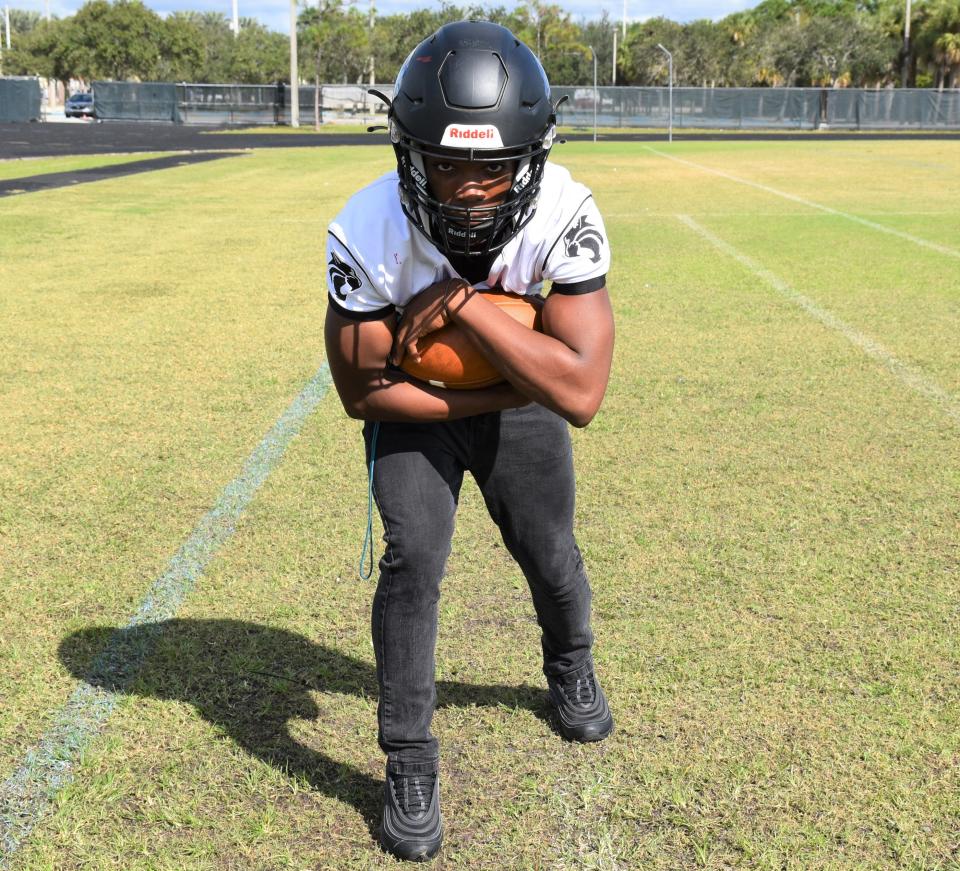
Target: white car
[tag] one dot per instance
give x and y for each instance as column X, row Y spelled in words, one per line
column 80, row 106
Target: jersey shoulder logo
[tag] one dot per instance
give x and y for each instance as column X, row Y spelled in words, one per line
column 342, row 273
column 584, row 238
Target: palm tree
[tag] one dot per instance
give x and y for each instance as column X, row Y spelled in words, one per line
column 947, row 54
column 934, row 19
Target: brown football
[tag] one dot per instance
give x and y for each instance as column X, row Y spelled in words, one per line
column 449, row 359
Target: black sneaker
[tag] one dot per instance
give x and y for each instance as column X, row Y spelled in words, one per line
column 412, row 826
column 581, row 707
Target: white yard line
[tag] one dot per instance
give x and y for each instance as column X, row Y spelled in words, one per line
column 907, row 375
column 916, row 240
column 30, row 791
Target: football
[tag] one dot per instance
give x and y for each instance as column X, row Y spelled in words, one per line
column 449, row 359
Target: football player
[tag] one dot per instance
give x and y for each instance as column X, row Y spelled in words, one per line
column 473, row 204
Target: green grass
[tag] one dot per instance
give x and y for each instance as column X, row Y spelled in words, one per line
column 23, row 167
column 769, row 517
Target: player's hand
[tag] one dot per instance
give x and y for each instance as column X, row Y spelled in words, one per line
column 424, row 314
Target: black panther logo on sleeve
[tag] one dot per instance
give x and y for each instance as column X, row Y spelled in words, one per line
column 584, row 238
column 342, row 273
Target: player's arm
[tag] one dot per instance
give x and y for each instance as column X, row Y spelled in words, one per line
column 566, row 367
column 357, row 352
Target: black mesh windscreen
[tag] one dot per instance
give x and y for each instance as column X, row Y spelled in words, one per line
column 19, row 99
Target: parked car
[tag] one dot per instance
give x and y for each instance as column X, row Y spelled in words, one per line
column 80, row 106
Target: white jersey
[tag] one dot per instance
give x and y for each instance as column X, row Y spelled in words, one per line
column 377, row 260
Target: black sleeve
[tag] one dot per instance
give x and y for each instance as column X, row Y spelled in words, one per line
column 576, row 288
column 375, row 315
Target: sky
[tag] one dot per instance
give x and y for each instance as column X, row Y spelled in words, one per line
column 276, row 13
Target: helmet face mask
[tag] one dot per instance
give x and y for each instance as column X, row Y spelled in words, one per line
column 471, row 93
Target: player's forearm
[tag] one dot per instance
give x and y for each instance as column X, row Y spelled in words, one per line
column 357, row 354
column 410, row 402
column 540, row 366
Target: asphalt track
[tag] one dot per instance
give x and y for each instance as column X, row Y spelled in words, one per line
column 57, row 140
column 31, row 183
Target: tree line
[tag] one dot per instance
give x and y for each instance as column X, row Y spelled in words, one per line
column 791, row 43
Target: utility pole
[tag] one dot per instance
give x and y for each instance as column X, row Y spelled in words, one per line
column 294, row 69
column 613, row 73
column 905, row 74
column 6, row 18
column 235, row 26
column 670, row 62
column 371, row 24
column 595, row 94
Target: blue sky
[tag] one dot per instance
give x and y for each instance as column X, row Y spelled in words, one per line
column 276, row 13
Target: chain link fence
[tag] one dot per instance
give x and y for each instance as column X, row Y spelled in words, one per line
column 234, row 104
column 20, row 98
column 136, row 101
column 231, row 104
column 341, row 104
column 616, row 107
column 768, row 108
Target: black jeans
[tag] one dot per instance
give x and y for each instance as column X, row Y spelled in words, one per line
column 523, row 464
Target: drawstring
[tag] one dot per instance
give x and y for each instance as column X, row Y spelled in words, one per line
column 368, row 538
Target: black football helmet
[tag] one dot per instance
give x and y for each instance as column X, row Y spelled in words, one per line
column 471, row 92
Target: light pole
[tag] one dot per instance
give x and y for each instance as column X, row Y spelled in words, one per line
column 905, row 75
column 670, row 63
column 371, row 23
column 294, row 69
column 613, row 72
column 592, row 52
column 235, row 23
column 371, row 61
column 6, row 18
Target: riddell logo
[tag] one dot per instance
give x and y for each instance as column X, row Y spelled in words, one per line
column 470, row 133
column 472, row 136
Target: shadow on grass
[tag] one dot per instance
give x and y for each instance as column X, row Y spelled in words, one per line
column 250, row 680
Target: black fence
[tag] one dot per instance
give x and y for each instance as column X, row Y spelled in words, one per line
column 231, row 104
column 720, row 108
column 19, row 99
column 136, row 101
column 770, row 108
column 922, row 109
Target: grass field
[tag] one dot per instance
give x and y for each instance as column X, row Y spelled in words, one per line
column 769, row 508
column 24, row 167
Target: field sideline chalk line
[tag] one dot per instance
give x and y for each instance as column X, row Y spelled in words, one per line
column 910, row 377
column 933, row 246
column 27, row 794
